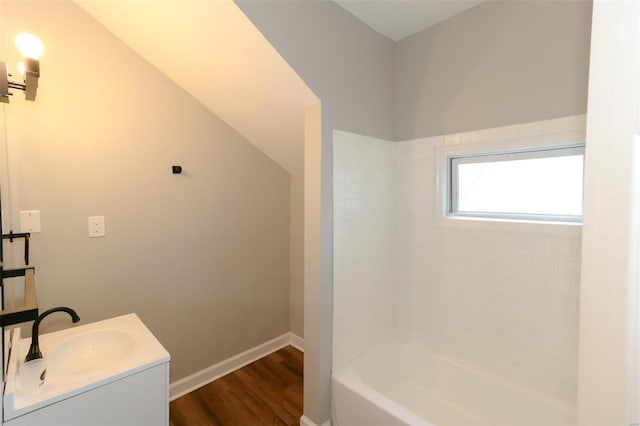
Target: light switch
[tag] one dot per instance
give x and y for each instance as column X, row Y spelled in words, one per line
column 30, row 221
column 96, row 226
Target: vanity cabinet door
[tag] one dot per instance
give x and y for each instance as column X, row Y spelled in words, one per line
column 141, row 399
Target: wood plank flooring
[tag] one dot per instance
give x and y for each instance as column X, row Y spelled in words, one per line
column 266, row 392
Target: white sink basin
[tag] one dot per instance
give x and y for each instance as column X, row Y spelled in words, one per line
column 79, row 359
column 89, row 353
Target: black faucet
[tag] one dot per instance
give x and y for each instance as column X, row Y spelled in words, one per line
column 34, row 349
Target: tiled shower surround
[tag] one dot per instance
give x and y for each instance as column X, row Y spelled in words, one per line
column 503, row 300
column 365, row 233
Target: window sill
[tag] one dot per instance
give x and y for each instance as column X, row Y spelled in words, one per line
column 510, row 225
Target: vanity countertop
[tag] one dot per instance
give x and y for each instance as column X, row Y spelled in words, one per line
column 85, row 345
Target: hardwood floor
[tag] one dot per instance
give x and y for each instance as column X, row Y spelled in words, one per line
column 266, row 392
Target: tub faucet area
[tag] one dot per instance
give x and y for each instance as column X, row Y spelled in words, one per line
column 34, row 349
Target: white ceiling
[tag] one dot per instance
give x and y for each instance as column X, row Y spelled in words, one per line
column 213, row 51
column 398, row 19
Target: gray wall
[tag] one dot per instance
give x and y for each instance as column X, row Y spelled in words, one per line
column 296, row 257
column 350, row 68
column 203, row 258
column 495, row 64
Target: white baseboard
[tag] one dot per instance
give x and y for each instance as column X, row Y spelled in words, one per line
column 296, row 341
column 306, row 421
column 203, row 377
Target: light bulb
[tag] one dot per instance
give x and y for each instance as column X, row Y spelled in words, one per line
column 29, row 45
column 21, row 68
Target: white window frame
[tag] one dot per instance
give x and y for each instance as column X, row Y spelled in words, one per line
column 536, row 223
column 513, row 155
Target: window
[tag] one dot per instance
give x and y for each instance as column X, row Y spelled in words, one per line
column 537, row 184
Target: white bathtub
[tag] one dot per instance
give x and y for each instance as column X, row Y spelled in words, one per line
column 409, row 385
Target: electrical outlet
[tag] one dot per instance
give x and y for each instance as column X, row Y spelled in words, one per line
column 96, row 226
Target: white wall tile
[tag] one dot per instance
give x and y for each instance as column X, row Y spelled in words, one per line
column 577, row 122
column 508, row 290
column 453, row 139
column 506, row 133
column 503, row 302
column 489, row 135
column 528, row 130
column 468, row 137
column 436, row 140
column 339, row 190
column 558, row 125
column 363, row 219
column 564, row 247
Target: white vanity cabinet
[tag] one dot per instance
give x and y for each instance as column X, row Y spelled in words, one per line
column 108, row 373
column 137, row 400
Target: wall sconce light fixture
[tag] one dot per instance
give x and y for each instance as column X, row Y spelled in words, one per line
column 31, row 48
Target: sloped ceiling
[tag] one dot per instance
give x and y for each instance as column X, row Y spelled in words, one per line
column 213, row 51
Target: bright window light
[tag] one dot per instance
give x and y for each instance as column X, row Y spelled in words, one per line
column 535, row 185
